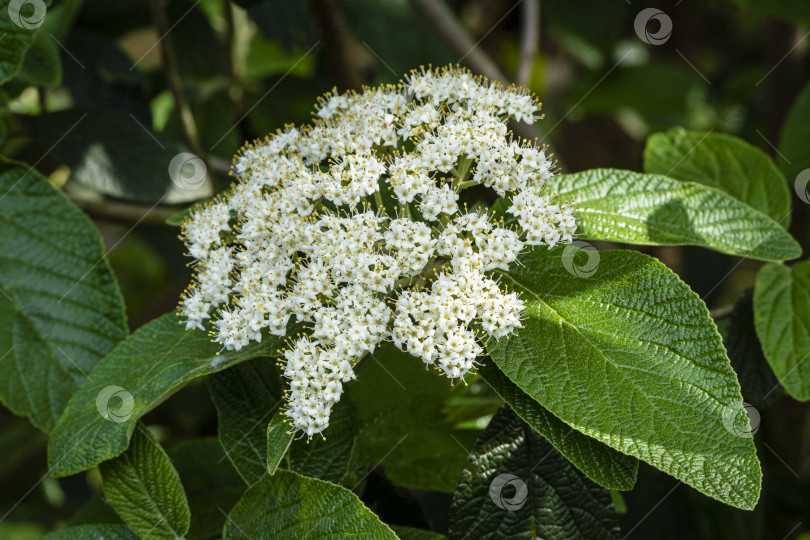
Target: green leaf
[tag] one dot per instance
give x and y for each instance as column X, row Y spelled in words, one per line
column 279, row 438
column 599, row 462
column 759, row 385
column 42, row 65
column 519, row 486
column 793, row 155
column 630, row 357
column 246, row 397
column 19, row 31
column 335, row 458
column 722, row 161
column 288, row 505
column 60, row 309
column 144, row 488
column 649, row 209
column 792, row 11
column 118, row 155
column 143, row 370
column 92, row 532
column 400, row 407
column 211, row 484
column 782, row 320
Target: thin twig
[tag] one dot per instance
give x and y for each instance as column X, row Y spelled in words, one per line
column 170, row 69
column 457, row 37
column 529, row 38
column 721, row 312
column 127, row 212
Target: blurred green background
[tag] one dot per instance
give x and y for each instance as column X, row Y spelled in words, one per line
column 134, row 82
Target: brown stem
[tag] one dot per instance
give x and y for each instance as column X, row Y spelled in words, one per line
column 170, row 69
column 127, row 212
column 529, row 38
column 451, row 30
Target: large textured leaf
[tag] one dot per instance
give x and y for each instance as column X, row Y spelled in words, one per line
column 793, row 155
column 722, row 161
column 599, row 462
column 519, row 486
column 246, row 397
column 210, row 482
column 651, row 209
column 629, row 356
column 118, row 155
column 18, row 34
column 782, row 319
column 144, row 488
column 400, row 408
column 143, row 370
column 92, row 532
column 759, row 385
column 60, row 309
column 288, row 505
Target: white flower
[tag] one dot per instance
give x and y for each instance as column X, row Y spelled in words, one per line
column 352, row 227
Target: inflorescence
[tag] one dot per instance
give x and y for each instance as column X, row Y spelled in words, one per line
column 352, row 225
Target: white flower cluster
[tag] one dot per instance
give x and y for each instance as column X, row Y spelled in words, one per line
column 352, row 225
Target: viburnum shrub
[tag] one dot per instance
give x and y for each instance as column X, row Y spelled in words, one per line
column 305, row 233
column 407, row 230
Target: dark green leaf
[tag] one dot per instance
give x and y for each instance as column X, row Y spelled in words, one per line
column 519, row 486
column 211, row 484
column 400, row 407
column 42, row 65
column 143, row 370
column 759, row 385
column 60, row 309
column 246, row 397
column 18, row 28
column 782, row 319
column 630, row 356
column 727, row 163
column 144, row 488
column 287, row 505
column 793, row 155
column 649, row 209
column 92, row 532
column 601, row 463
